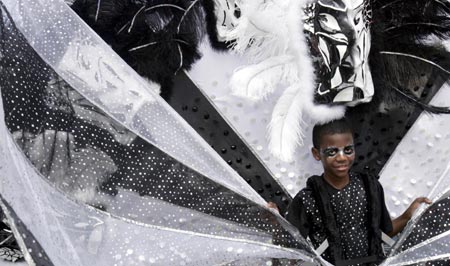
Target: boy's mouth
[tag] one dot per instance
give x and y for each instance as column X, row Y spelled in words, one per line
column 341, row 167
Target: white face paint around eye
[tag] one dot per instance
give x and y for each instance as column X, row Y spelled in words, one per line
column 331, row 152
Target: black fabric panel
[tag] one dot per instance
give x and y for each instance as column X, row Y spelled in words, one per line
column 379, row 128
column 197, row 110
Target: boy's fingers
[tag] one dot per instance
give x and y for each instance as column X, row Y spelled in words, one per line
column 272, row 205
column 423, row 200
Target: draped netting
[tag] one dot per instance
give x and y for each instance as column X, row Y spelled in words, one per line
column 97, row 170
column 426, row 238
column 100, row 171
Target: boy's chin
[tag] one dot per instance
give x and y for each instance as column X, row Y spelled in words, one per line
column 341, row 173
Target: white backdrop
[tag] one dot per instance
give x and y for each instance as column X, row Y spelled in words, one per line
column 414, row 168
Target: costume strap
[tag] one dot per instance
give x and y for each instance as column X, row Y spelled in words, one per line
column 373, row 202
column 320, row 194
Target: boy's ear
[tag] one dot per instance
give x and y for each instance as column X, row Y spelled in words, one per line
column 316, row 154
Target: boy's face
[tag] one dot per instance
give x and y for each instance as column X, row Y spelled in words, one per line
column 336, row 154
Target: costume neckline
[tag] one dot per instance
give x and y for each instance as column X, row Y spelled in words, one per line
column 351, row 177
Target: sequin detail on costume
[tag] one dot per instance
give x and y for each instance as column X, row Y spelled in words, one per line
column 351, row 209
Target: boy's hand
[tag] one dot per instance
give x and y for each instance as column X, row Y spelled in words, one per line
column 414, row 205
column 273, row 205
column 399, row 223
column 268, row 215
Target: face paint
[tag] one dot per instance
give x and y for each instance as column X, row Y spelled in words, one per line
column 339, row 37
column 332, row 152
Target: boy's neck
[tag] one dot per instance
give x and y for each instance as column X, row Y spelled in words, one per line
column 336, row 181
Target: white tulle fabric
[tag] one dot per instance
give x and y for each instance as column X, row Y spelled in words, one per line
column 74, row 233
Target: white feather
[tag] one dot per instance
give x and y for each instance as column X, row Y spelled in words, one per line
column 260, row 32
column 285, row 128
column 271, row 33
column 257, row 81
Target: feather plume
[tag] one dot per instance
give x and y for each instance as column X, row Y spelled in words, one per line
column 401, row 78
column 426, row 107
column 304, row 98
column 155, row 37
column 260, row 32
column 257, row 81
column 286, row 125
column 403, row 59
column 271, row 33
column 267, row 31
column 411, row 20
column 285, row 128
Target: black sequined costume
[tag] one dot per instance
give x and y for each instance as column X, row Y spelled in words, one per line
column 350, row 210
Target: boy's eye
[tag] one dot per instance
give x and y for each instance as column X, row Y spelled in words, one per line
column 332, row 151
column 329, row 152
column 349, row 150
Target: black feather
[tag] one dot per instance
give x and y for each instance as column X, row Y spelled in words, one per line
column 426, row 107
column 404, row 21
column 412, row 76
column 156, row 37
column 416, row 65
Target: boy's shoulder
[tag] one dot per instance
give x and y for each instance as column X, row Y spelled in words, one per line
column 306, row 192
column 367, row 177
column 303, row 199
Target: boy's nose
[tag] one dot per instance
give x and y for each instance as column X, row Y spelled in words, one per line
column 341, row 156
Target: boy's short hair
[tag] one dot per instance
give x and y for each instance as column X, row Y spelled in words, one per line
column 334, row 127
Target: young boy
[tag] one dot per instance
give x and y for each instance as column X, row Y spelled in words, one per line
column 344, row 213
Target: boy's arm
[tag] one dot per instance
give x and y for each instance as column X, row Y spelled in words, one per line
column 296, row 215
column 399, row 223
